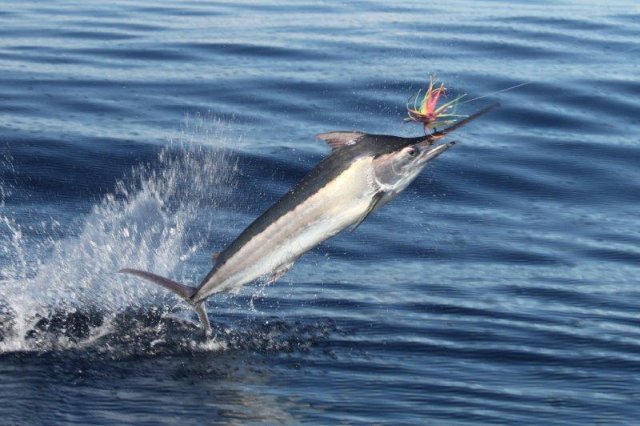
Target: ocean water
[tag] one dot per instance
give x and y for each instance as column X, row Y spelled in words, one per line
column 502, row 287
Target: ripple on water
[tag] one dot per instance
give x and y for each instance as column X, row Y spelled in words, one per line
column 500, row 288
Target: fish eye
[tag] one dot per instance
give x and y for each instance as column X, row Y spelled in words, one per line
column 412, row 152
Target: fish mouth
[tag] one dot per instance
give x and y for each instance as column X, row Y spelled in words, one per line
column 429, row 151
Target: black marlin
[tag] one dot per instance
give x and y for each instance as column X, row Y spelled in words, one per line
column 362, row 173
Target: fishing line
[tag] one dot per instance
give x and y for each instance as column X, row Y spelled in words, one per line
column 499, row 91
column 526, row 83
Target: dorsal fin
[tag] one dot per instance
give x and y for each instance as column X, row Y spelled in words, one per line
column 337, row 139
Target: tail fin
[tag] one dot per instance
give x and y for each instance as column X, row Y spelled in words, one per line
column 185, row 292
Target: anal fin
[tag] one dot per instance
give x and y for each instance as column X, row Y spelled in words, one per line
column 279, row 273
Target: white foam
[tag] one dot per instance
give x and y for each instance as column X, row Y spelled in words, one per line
column 157, row 218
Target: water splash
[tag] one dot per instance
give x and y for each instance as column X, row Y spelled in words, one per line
column 64, row 292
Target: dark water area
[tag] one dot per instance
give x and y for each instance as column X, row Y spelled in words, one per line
column 502, row 287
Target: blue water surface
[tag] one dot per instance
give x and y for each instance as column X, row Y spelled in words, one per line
column 502, row 287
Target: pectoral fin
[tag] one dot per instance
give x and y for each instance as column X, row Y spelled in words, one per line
column 375, row 202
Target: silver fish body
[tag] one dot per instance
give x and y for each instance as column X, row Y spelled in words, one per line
column 271, row 252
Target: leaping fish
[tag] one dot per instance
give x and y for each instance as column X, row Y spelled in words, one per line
column 362, row 173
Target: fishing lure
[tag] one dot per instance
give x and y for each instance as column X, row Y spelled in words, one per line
column 427, row 111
